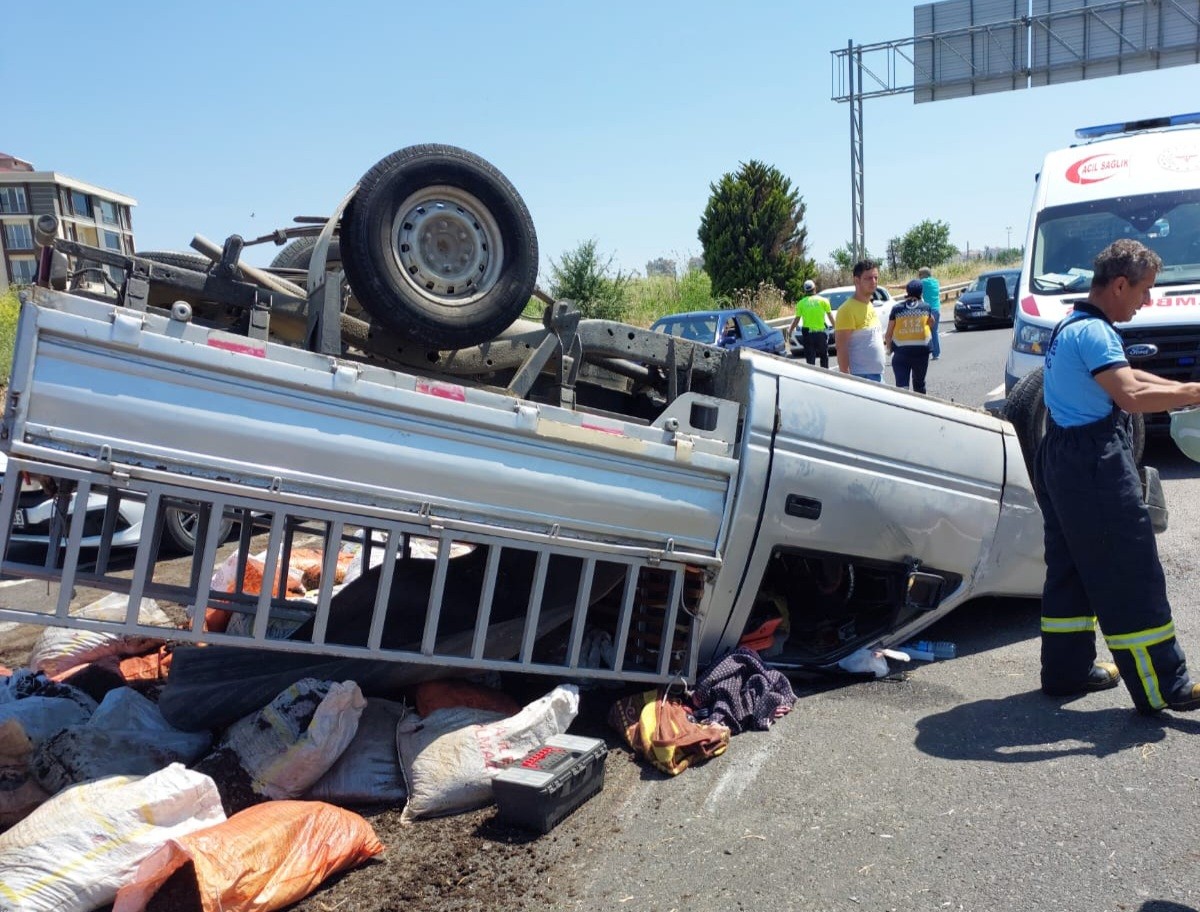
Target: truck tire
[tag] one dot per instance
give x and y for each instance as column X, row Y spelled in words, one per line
column 1026, row 410
column 179, row 530
column 163, row 297
column 438, row 246
column 298, row 252
column 191, row 261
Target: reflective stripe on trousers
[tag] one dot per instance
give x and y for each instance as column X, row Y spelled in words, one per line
column 1138, row 645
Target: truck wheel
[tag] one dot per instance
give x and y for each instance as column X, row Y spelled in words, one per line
column 438, row 246
column 179, row 530
column 1026, row 410
column 298, row 252
column 192, row 261
column 163, row 297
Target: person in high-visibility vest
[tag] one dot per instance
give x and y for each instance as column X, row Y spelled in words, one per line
column 907, row 337
column 1102, row 565
column 813, row 313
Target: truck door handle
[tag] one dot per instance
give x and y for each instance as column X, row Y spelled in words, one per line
column 804, row 507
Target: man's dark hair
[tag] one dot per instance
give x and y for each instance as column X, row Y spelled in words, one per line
column 1124, row 257
column 864, row 266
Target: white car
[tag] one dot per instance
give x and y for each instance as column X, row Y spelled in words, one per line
column 882, row 301
column 36, row 506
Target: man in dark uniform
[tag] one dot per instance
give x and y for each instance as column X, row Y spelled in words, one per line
column 1101, row 558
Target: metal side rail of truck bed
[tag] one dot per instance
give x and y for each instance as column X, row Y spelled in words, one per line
column 554, row 528
column 486, row 598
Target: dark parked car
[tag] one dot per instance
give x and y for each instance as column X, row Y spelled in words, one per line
column 730, row 328
column 970, row 309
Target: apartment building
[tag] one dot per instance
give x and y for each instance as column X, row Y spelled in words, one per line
column 86, row 213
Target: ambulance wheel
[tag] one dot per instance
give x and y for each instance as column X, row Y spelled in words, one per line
column 1026, row 410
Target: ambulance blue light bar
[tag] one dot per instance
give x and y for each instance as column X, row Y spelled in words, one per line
column 1150, row 123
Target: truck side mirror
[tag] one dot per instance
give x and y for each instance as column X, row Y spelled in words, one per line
column 998, row 303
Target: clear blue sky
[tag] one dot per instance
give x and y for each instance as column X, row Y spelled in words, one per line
column 612, row 119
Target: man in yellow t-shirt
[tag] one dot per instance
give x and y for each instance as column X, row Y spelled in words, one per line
column 813, row 313
column 857, row 332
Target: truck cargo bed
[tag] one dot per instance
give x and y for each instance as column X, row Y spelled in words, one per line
column 605, row 519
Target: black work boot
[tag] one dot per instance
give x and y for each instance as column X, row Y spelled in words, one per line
column 1187, row 701
column 1102, row 676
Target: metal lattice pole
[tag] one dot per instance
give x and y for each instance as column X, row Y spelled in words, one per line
column 857, row 201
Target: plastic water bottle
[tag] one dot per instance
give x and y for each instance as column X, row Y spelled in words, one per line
column 930, row 649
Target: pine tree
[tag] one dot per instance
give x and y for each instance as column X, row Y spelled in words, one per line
column 752, row 232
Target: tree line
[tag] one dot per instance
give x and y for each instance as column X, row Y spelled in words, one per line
column 754, row 243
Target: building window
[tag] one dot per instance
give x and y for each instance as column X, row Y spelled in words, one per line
column 116, row 274
column 18, row 236
column 81, row 204
column 112, row 240
column 24, row 270
column 12, row 201
column 108, row 213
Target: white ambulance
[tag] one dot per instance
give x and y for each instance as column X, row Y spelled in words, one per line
column 1137, row 180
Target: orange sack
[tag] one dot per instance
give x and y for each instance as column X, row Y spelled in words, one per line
column 216, row 620
column 265, row 857
column 151, row 667
column 444, row 693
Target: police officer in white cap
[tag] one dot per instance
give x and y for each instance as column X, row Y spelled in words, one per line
column 814, row 315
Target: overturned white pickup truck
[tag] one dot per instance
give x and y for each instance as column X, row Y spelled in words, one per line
column 580, row 479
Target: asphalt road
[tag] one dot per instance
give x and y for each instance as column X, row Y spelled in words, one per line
column 956, row 786
column 952, row 786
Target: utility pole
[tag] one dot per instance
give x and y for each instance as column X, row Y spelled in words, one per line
column 857, row 204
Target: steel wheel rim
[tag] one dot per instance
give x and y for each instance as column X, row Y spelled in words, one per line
column 447, row 245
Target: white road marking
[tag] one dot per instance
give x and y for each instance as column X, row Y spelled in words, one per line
column 737, row 778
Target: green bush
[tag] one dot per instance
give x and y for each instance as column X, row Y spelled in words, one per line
column 9, row 307
column 581, row 276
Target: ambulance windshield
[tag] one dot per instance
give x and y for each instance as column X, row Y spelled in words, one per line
column 1068, row 238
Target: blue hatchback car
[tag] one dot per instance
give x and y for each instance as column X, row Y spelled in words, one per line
column 729, row 328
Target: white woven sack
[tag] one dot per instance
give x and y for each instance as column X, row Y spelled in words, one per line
column 59, row 649
column 282, row 755
column 75, row 851
column 449, row 763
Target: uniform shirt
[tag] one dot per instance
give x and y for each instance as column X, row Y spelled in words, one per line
column 811, row 311
column 1083, row 347
column 912, row 323
column 866, row 338
column 931, row 292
